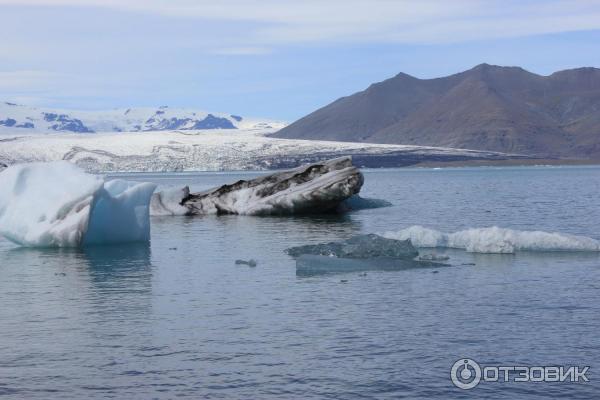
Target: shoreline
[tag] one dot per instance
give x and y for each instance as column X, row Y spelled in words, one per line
column 506, row 163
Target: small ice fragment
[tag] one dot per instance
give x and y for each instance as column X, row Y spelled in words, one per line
column 250, row 263
column 433, row 257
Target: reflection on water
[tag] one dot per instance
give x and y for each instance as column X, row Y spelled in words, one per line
column 265, row 234
column 527, row 259
column 309, row 265
column 119, row 263
column 112, row 263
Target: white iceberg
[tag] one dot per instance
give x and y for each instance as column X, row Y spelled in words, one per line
column 495, row 240
column 169, row 202
column 58, row 205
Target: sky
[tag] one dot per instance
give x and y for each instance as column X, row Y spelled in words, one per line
column 279, row 59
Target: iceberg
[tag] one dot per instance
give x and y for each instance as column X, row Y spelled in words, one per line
column 495, row 240
column 359, row 253
column 360, row 246
column 58, row 205
column 314, row 188
column 169, row 202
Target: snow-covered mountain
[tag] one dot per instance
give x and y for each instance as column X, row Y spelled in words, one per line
column 18, row 119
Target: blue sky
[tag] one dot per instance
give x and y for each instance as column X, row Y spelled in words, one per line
column 271, row 58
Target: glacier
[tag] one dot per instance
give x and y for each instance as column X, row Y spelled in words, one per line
column 314, row 188
column 495, row 240
column 59, row 205
column 212, row 150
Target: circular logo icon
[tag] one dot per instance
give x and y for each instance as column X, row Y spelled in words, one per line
column 465, row 373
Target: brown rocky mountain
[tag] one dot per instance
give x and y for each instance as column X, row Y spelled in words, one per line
column 488, row 107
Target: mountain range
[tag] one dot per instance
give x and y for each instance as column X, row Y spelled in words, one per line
column 494, row 108
column 20, row 119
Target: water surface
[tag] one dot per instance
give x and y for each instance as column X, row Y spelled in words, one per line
column 178, row 318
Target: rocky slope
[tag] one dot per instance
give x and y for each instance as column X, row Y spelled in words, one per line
column 506, row 109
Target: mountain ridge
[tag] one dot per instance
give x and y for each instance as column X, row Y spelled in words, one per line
column 20, row 119
column 488, row 107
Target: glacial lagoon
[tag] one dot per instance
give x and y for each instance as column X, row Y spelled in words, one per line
column 179, row 317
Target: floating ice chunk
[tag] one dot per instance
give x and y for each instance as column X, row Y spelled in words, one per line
column 168, row 202
column 420, row 236
column 313, row 188
column 433, row 257
column 360, row 246
column 309, row 264
column 57, row 204
column 250, row 263
column 496, row 240
column 46, row 204
column 120, row 213
column 359, row 253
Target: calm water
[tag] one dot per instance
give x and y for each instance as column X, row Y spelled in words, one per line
column 180, row 319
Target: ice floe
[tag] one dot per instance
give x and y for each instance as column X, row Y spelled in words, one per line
column 360, row 246
column 495, row 240
column 359, row 253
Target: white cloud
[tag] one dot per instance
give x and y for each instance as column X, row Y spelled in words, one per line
column 424, row 21
column 39, row 87
column 25, row 80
